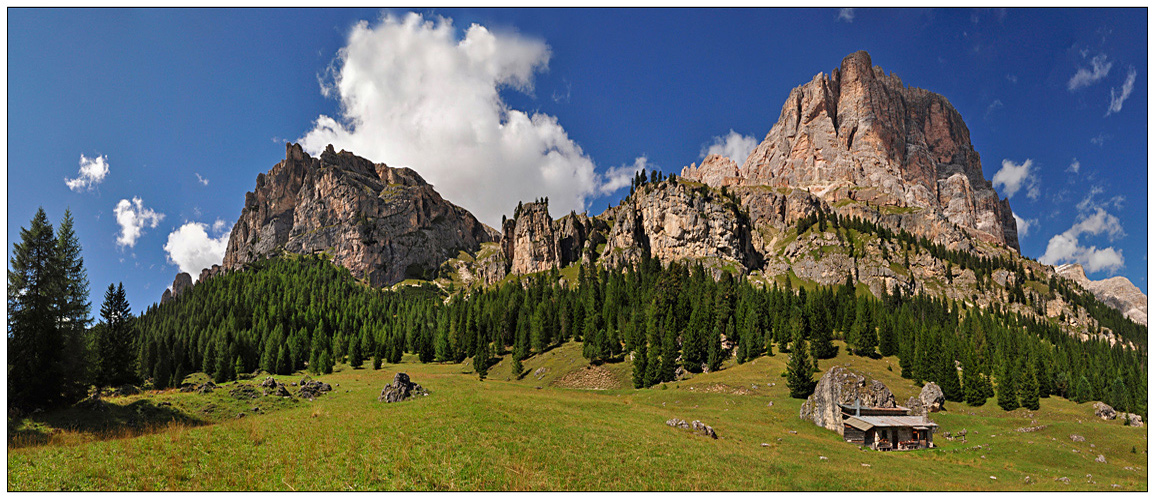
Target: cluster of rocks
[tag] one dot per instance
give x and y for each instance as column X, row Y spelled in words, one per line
column 203, row 388
column 400, row 389
column 696, row 426
column 1108, row 413
column 310, row 389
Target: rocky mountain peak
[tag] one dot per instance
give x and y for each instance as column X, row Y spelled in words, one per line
column 384, row 224
column 861, row 134
column 1117, row 291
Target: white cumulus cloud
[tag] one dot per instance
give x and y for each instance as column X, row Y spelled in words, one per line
column 1074, row 167
column 620, row 176
column 1124, row 92
column 1015, row 177
column 1066, row 247
column 1084, row 77
column 92, row 172
column 1024, row 225
column 133, row 217
column 191, row 248
column 732, row 145
column 846, row 14
column 413, row 94
column 202, row 180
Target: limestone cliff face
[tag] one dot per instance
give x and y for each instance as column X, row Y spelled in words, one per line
column 1117, row 292
column 862, row 134
column 675, row 221
column 532, row 241
column 384, row 224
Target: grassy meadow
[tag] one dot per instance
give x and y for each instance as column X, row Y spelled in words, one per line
column 540, row 432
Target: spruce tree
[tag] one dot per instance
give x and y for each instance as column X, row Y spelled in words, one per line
column 822, row 346
column 74, row 309
column 481, row 357
column 115, row 348
column 1028, row 388
column 799, row 375
column 639, row 371
column 972, row 383
column 886, row 341
column 36, row 376
column 1008, row 391
column 516, row 369
column 714, row 350
column 669, row 349
column 326, row 362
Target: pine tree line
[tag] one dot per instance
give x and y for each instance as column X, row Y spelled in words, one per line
column 291, row 314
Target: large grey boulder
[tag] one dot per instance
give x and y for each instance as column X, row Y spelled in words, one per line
column 931, row 397
column 1104, row 411
column 842, row 386
column 401, row 389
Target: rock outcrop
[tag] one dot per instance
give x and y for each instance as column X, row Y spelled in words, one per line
column 1118, row 292
column 842, row 386
column 532, row 241
column 401, row 389
column 1104, row 411
column 674, row 221
column 929, row 400
column 861, row 134
column 383, row 224
column 180, row 284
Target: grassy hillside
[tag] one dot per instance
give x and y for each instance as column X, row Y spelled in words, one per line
column 511, row 435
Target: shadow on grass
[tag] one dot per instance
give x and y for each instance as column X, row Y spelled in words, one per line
column 97, row 419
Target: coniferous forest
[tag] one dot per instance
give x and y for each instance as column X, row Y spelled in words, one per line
column 283, row 315
column 303, row 313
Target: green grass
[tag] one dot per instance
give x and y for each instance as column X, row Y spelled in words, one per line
column 509, row 435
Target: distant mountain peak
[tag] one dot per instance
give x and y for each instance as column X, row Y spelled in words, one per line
column 861, row 134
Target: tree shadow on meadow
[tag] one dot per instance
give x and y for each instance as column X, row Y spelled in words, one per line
column 96, row 419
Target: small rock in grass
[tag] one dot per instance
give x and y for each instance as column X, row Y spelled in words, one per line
column 1063, row 479
column 793, row 432
column 764, row 444
column 994, row 477
column 240, row 415
column 865, row 465
column 1077, row 438
column 822, row 458
column 1101, row 459
column 771, row 404
column 704, row 429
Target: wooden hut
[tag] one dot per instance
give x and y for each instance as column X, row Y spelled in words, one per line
column 886, row 428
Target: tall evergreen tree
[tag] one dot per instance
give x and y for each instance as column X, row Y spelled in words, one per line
column 40, row 333
column 799, row 374
column 74, row 309
column 481, row 357
column 1008, row 391
column 1028, row 387
column 639, row 371
column 972, row 382
column 115, row 348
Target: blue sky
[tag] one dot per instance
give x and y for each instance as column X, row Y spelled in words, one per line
column 181, row 109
